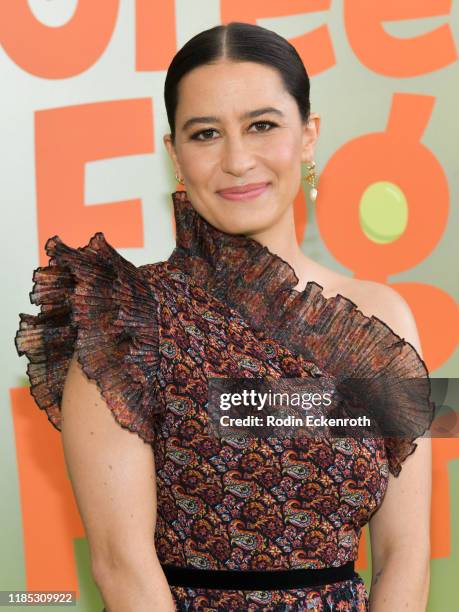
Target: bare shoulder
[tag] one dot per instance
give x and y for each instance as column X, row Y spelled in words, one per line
column 371, row 298
column 375, row 298
column 385, row 303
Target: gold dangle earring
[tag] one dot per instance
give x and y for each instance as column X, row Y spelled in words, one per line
column 311, row 179
column 179, row 180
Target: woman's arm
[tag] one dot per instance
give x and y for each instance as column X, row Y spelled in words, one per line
column 400, row 538
column 400, row 528
column 113, row 478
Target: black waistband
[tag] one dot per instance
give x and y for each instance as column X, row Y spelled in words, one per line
column 256, row 579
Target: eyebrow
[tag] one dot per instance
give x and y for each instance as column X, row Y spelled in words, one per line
column 247, row 115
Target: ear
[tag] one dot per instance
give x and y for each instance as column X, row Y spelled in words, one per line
column 311, row 131
column 167, row 139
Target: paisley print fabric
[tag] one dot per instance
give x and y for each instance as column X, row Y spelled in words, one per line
column 152, row 336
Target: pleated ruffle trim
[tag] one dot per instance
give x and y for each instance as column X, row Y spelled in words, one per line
column 94, row 301
column 331, row 332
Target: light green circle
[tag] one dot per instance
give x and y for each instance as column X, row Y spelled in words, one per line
column 383, row 212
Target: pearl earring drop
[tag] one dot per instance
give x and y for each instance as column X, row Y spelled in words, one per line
column 312, row 180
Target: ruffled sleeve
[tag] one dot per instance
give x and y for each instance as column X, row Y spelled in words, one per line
column 94, row 301
column 377, row 371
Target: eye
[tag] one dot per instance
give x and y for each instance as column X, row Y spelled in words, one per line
column 196, row 135
column 271, row 124
column 208, row 132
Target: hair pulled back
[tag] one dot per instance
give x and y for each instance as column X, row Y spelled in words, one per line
column 238, row 41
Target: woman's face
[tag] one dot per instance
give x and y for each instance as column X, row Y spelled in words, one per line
column 219, row 146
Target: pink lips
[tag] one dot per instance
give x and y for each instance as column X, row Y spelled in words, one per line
column 251, row 190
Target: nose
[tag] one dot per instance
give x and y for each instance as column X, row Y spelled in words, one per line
column 236, row 156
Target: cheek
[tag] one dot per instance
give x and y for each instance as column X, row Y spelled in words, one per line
column 284, row 155
column 196, row 164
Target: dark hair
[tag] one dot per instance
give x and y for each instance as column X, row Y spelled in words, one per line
column 241, row 42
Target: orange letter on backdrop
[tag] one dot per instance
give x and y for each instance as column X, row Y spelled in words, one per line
column 57, row 52
column 50, row 518
column 315, row 48
column 66, row 139
column 396, row 155
column 444, row 451
column 156, row 40
column 393, row 56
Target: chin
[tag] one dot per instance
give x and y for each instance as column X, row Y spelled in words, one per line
column 243, row 218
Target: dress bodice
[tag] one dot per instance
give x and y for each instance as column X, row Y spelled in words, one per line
column 222, row 305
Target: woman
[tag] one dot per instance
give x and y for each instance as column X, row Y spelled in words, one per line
column 191, row 521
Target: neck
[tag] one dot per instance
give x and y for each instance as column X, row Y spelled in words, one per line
column 281, row 239
column 230, row 253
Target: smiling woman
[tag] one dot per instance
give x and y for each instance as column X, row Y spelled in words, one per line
column 250, row 145
column 198, row 521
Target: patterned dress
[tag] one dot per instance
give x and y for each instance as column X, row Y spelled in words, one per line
column 222, row 305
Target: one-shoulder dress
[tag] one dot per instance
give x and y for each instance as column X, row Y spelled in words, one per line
column 222, row 305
